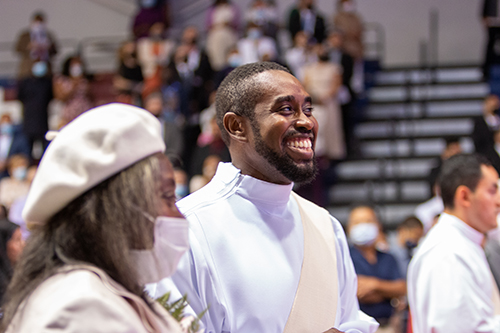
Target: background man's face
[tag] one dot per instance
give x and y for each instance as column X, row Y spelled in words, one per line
column 485, row 201
column 285, row 129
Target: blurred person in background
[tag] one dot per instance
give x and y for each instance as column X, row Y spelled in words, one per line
column 104, row 223
column 72, row 87
column 17, row 184
column 222, row 24
column 17, row 206
column 36, row 43
column 305, row 17
column 348, row 20
column 153, row 53
column 264, row 14
column 150, row 12
column 128, row 81
column 486, row 124
column 452, row 147
column 35, row 92
column 379, row 277
column 300, row 55
column 11, row 247
column 256, row 47
column 12, row 142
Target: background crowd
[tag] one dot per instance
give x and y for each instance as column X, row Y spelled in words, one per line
column 176, row 78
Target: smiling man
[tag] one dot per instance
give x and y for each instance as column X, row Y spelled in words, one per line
column 450, row 285
column 262, row 258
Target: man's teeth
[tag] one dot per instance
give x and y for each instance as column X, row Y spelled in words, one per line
column 300, row 143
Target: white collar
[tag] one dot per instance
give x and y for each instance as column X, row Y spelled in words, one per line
column 272, row 197
column 465, row 229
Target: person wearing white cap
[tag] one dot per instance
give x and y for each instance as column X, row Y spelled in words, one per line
column 101, row 183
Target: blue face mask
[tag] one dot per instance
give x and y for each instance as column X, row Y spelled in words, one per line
column 181, row 191
column 39, row 69
column 19, row 173
column 6, row 129
column 234, row 60
column 148, row 3
column 254, row 33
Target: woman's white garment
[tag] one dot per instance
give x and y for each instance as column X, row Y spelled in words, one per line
column 81, row 299
column 318, row 80
column 221, row 37
column 450, row 285
column 246, row 254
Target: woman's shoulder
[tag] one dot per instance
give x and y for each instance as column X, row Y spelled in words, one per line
column 75, row 300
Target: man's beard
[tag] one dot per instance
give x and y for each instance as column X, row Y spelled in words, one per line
column 302, row 174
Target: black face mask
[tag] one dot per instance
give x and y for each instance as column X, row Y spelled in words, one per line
column 323, row 57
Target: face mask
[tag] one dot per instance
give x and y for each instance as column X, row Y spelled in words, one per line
column 348, row 7
column 254, row 33
column 39, row 69
column 148, row 3
column 171, row 241
column 6, row 129
column 234, row 60
column 364, row 234
column 37, row 27
column 181, row 191
column 75, row 70
column 19, row 173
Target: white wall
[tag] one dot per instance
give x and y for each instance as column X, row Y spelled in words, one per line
column 405, row 23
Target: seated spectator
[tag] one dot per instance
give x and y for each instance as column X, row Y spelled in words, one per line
column 256, row 47
column 233, row 60
column 11, row 247
column 17, row 206
column 128, row 81
column 17, row 184
column 300, row 55
column 72, row 87
column 350, row 23
column 181, row 183
column 222, row 26
column 35, row 92
column 104, row 223
column 12, row 142
column 379, row 278
column 403, row 242
column 304, row 17
column 264, row 14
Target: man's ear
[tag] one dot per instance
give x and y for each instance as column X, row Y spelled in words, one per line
column 235, row 126
column 463, row 196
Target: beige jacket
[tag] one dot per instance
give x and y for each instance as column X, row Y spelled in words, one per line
column 85, row 299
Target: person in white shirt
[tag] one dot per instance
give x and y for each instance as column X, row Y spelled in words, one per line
column 450, row 285
column 250, row 235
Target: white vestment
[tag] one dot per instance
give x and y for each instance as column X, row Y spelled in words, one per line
column 450, row 285
column 246, row 254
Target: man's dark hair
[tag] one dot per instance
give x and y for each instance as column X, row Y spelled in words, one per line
column 411, row 222
column 38, row 16
column 239, row 92
column 460, row 169
column 451, row 140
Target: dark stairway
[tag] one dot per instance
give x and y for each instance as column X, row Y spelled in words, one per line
column 410, row 113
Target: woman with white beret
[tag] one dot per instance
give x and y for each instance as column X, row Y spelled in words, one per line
column 102, row 209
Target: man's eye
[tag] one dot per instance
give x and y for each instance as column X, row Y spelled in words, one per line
column 308, row 110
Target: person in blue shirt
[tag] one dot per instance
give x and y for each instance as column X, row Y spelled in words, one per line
column 379, row 277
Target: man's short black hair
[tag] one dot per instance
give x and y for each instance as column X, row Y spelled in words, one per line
column 239, row 92
column 460, row 169
column 411, row 222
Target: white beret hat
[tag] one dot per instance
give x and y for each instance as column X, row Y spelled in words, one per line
column 93, row 147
